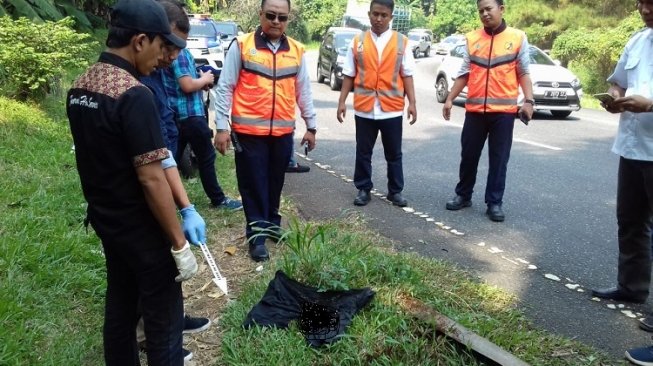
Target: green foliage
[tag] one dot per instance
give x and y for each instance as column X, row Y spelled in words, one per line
column 34, row 56
column 454, row 16
column 39, row 11
column 320, row 15
column 594, row 53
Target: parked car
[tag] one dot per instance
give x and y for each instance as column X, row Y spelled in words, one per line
column 422, row 30
column 204, row 41
column 332, row 54
column 419, row 43
column 444, row 46
column 555, row 88
column 228, row 30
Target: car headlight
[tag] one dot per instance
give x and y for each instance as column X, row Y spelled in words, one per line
column 215, row 50
column 575, row 84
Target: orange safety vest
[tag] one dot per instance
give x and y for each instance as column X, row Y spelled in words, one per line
column 493, row 84
column 379, row 80
column 264, row 98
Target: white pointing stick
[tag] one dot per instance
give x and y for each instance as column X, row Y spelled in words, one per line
column 220, row 281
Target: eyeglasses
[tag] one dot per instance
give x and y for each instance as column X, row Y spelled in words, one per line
column 272, row 16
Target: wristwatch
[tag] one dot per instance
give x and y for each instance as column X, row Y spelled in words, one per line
column 529, row 101
column 312, row 130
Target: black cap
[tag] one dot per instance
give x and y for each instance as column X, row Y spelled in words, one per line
column 145, row 16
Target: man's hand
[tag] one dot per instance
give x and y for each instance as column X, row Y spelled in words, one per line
column 207, row 79
column 193, row 225
column 446, row 109
column 412, row 113
column 309, row 137
column 221, row 141
column 526, row 111
column 342, row 111
column 633, row 103
column 186, row 263
column 617, row 93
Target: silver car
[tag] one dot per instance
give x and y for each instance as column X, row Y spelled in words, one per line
column 555, row 88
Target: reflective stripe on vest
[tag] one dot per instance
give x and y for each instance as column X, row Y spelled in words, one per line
column 264, row 99
column 493, row 83
column 379, row 80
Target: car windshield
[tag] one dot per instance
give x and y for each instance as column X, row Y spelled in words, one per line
column 225, row 28
column 201, row 30
column 539, row 58
column 343, row 40
column 413, row 37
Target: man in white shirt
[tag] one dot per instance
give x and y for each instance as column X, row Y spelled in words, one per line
column 379, row 67
column 632, row 88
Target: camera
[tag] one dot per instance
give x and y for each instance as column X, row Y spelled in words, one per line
column 215, row 72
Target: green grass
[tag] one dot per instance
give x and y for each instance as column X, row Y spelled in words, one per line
column 343, row 255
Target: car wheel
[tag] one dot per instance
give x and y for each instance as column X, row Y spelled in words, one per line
column 427, row 53
column 561, row 114
column 441, row 89
column 320, row 78
column 333, row 81
column 416, row 52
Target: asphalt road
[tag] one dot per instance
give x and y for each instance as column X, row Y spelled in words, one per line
column 559, row 204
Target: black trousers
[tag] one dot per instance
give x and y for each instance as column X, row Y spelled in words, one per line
column 497, row 129
column 367, row 131
column 634, row 218
column 196, row 131
column 142, row 270
column 261, row 170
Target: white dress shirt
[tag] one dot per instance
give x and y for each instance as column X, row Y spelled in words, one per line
column 634, row 72
column 407, row 69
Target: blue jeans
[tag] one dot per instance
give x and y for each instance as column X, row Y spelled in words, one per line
column 367, row 130
column 261, row 170
column 497, row 129
column 196, row 132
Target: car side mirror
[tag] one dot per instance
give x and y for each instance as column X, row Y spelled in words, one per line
column 557, row 62
column 224, row 36
column 328, row 46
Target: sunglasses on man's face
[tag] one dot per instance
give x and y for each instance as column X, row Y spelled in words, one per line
column 272, row 16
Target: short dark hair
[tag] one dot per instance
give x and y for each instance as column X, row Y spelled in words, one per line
column 263, row 3
column 120, row 37
column 499, row 2
column 387, row 3
column 176, row 15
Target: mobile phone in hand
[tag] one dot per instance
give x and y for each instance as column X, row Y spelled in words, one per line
column 605, row 98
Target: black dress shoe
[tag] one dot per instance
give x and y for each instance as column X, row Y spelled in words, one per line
column 615, row 294
column 495, row 213
column 646, row 324
column 457, row 203
column 258, row 253
column 397, row 199
column 362, row 198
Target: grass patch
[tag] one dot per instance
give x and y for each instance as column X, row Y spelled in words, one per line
column 341, row 255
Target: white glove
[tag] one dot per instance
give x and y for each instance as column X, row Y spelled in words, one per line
column 186, row 263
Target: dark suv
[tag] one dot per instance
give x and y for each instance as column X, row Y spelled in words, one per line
column 332, row 55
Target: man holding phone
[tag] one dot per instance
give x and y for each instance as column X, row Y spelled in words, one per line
column 633, row 97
